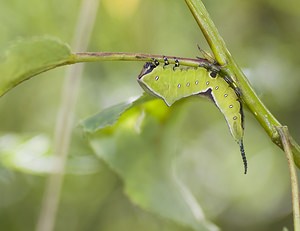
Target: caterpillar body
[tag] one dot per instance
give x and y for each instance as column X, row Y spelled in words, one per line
column 174, row 83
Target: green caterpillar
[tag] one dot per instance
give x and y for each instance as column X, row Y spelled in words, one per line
column 174, row 83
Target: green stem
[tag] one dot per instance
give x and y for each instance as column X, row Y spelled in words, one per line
column 209, row 31
column 124, row 56
column 65, row 123
column 284, row 134
column 230, row 68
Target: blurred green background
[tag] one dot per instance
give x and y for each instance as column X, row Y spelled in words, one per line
column 263, row 36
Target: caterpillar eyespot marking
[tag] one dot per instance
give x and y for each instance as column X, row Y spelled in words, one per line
column 196, row 81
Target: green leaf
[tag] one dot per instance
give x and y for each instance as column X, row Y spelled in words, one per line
column 27, row 58
column 110, row 116
column 137, row 147
column 33, row 155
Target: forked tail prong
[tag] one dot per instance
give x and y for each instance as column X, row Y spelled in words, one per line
column 243, row 156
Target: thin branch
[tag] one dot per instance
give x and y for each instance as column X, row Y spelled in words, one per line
column 64, row 122
column 124, row 56
column 284, row 134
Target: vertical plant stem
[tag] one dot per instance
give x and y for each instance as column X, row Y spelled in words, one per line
column 64, row 123
column 223, row 57
column 284, row 134
column 209, row 30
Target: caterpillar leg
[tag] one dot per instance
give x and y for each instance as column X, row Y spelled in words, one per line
column 166, row 61
column 176, row 64
column 155, row 62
